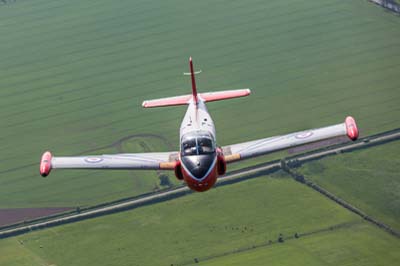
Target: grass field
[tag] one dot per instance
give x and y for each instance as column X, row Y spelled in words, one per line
column 204, row 225
column 368, row 179
column 74, row 73
column 359, row 245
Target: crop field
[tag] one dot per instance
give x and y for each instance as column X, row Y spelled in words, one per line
column 236, row 223
column 74, row 74
column 368, row 179
column 359, row 245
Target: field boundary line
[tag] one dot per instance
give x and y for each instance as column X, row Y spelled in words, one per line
column 302, row 179
column 289, row 167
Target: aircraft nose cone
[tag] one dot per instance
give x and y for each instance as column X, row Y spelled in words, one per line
column 199, row 172
column 198, row 165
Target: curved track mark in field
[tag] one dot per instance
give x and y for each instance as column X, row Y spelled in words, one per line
column 116, row 144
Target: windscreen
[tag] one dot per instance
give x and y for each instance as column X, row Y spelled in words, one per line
column 205, row 145
column 197, row 145
column 189, row 146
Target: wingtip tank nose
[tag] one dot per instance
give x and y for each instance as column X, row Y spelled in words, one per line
column 351, row 128
column 45, row 164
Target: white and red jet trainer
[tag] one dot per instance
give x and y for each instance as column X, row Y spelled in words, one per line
column 200, row 160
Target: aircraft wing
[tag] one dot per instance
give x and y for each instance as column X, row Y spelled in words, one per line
column 259, row 147
column 156, row 161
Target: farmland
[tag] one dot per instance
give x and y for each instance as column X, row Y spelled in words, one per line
column 367, row 179
column 350, row 246
column 73, row 76
column 215, row 227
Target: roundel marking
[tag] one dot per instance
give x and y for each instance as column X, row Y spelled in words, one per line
column 304, row 135
column 93, row 159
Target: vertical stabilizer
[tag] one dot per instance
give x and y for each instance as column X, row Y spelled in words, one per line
column 194, row 89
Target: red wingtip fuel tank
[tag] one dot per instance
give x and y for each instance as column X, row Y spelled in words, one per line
column 45, row 164
column 351, row 128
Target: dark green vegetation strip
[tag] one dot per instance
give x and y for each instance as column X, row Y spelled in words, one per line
column 73, row 75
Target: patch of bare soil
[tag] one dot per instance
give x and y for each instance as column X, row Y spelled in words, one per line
column 11, row 216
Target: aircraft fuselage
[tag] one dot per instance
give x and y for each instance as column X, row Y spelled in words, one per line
column 198, row 149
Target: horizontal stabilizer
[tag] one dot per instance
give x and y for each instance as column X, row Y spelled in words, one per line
column 170, row 101
column 188, row 73
column 222, row 95
column 205, row 97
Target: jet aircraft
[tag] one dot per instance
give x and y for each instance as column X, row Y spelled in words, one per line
column 199, row 161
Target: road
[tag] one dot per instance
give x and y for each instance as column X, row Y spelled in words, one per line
column 180, row 191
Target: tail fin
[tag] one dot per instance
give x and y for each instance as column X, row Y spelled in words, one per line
column 205, row 97
column 194, row 90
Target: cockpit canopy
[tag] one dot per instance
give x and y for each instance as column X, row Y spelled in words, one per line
column 197, row 143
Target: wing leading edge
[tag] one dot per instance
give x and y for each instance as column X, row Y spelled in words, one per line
column 259, row 147
column 149, row 161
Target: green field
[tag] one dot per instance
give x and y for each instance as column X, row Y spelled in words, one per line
column 359, row 245
column 368, row 179
column 220, row 222
column 74, row 74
